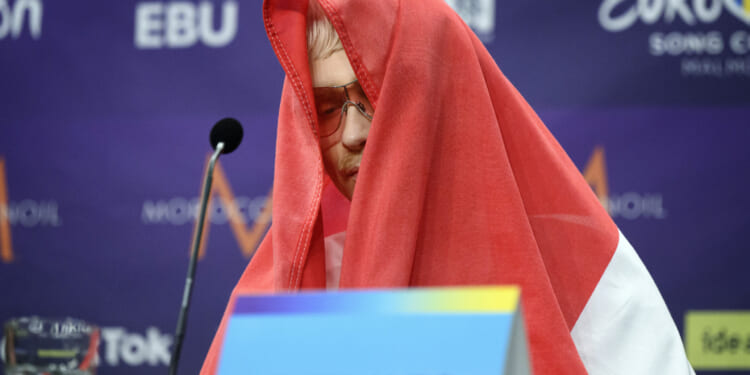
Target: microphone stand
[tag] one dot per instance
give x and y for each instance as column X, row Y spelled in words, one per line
column 182, row 320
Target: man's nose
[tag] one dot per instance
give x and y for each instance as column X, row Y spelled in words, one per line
column 356, row 128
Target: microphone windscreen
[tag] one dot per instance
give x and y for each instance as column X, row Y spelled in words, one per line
column 229, row 131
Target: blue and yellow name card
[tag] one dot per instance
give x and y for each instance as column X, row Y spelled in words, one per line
column 441, row 331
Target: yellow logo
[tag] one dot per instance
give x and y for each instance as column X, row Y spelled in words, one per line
column 718, row 340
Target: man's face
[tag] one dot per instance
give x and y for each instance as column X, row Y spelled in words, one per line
column 342, row 150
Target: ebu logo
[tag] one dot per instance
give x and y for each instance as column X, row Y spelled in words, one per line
column 183, row 24
column 14, row 16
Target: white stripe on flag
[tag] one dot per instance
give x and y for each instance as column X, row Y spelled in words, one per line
column 626, row 327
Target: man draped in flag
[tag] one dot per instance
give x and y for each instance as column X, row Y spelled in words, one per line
column 405, row 158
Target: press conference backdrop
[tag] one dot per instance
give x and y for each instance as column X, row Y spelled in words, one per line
column 105, row 108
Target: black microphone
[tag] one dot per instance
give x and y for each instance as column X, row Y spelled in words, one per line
column 225, row 136
column 228, row 131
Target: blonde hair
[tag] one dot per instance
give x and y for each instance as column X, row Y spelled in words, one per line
column 322, row 39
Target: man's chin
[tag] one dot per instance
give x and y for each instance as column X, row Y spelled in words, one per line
column 348, row 192
column 346, row 187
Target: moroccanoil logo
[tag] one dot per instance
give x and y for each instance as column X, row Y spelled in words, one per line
column 629, row 205
column 249, row 218
column 27, row 213
column 718, row 340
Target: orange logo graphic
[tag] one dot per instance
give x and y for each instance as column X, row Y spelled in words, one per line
column 6, row 248
column 629, row 205
column 248, row 239
column 595, row 174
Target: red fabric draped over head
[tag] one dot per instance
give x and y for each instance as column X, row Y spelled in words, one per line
column 460, row 182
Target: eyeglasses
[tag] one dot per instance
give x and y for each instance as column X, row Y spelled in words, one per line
column 333, row 102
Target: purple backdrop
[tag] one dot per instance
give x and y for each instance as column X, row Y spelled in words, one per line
column 105, row 109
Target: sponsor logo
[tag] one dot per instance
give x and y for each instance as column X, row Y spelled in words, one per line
column 718, row 340
column 183, row 24
column 27, row 213
column 135, row 349
column 619, row 15
column 249, row 218
column 629, row 205
column 478, row 14
column 702, row 50
column 14, row 16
